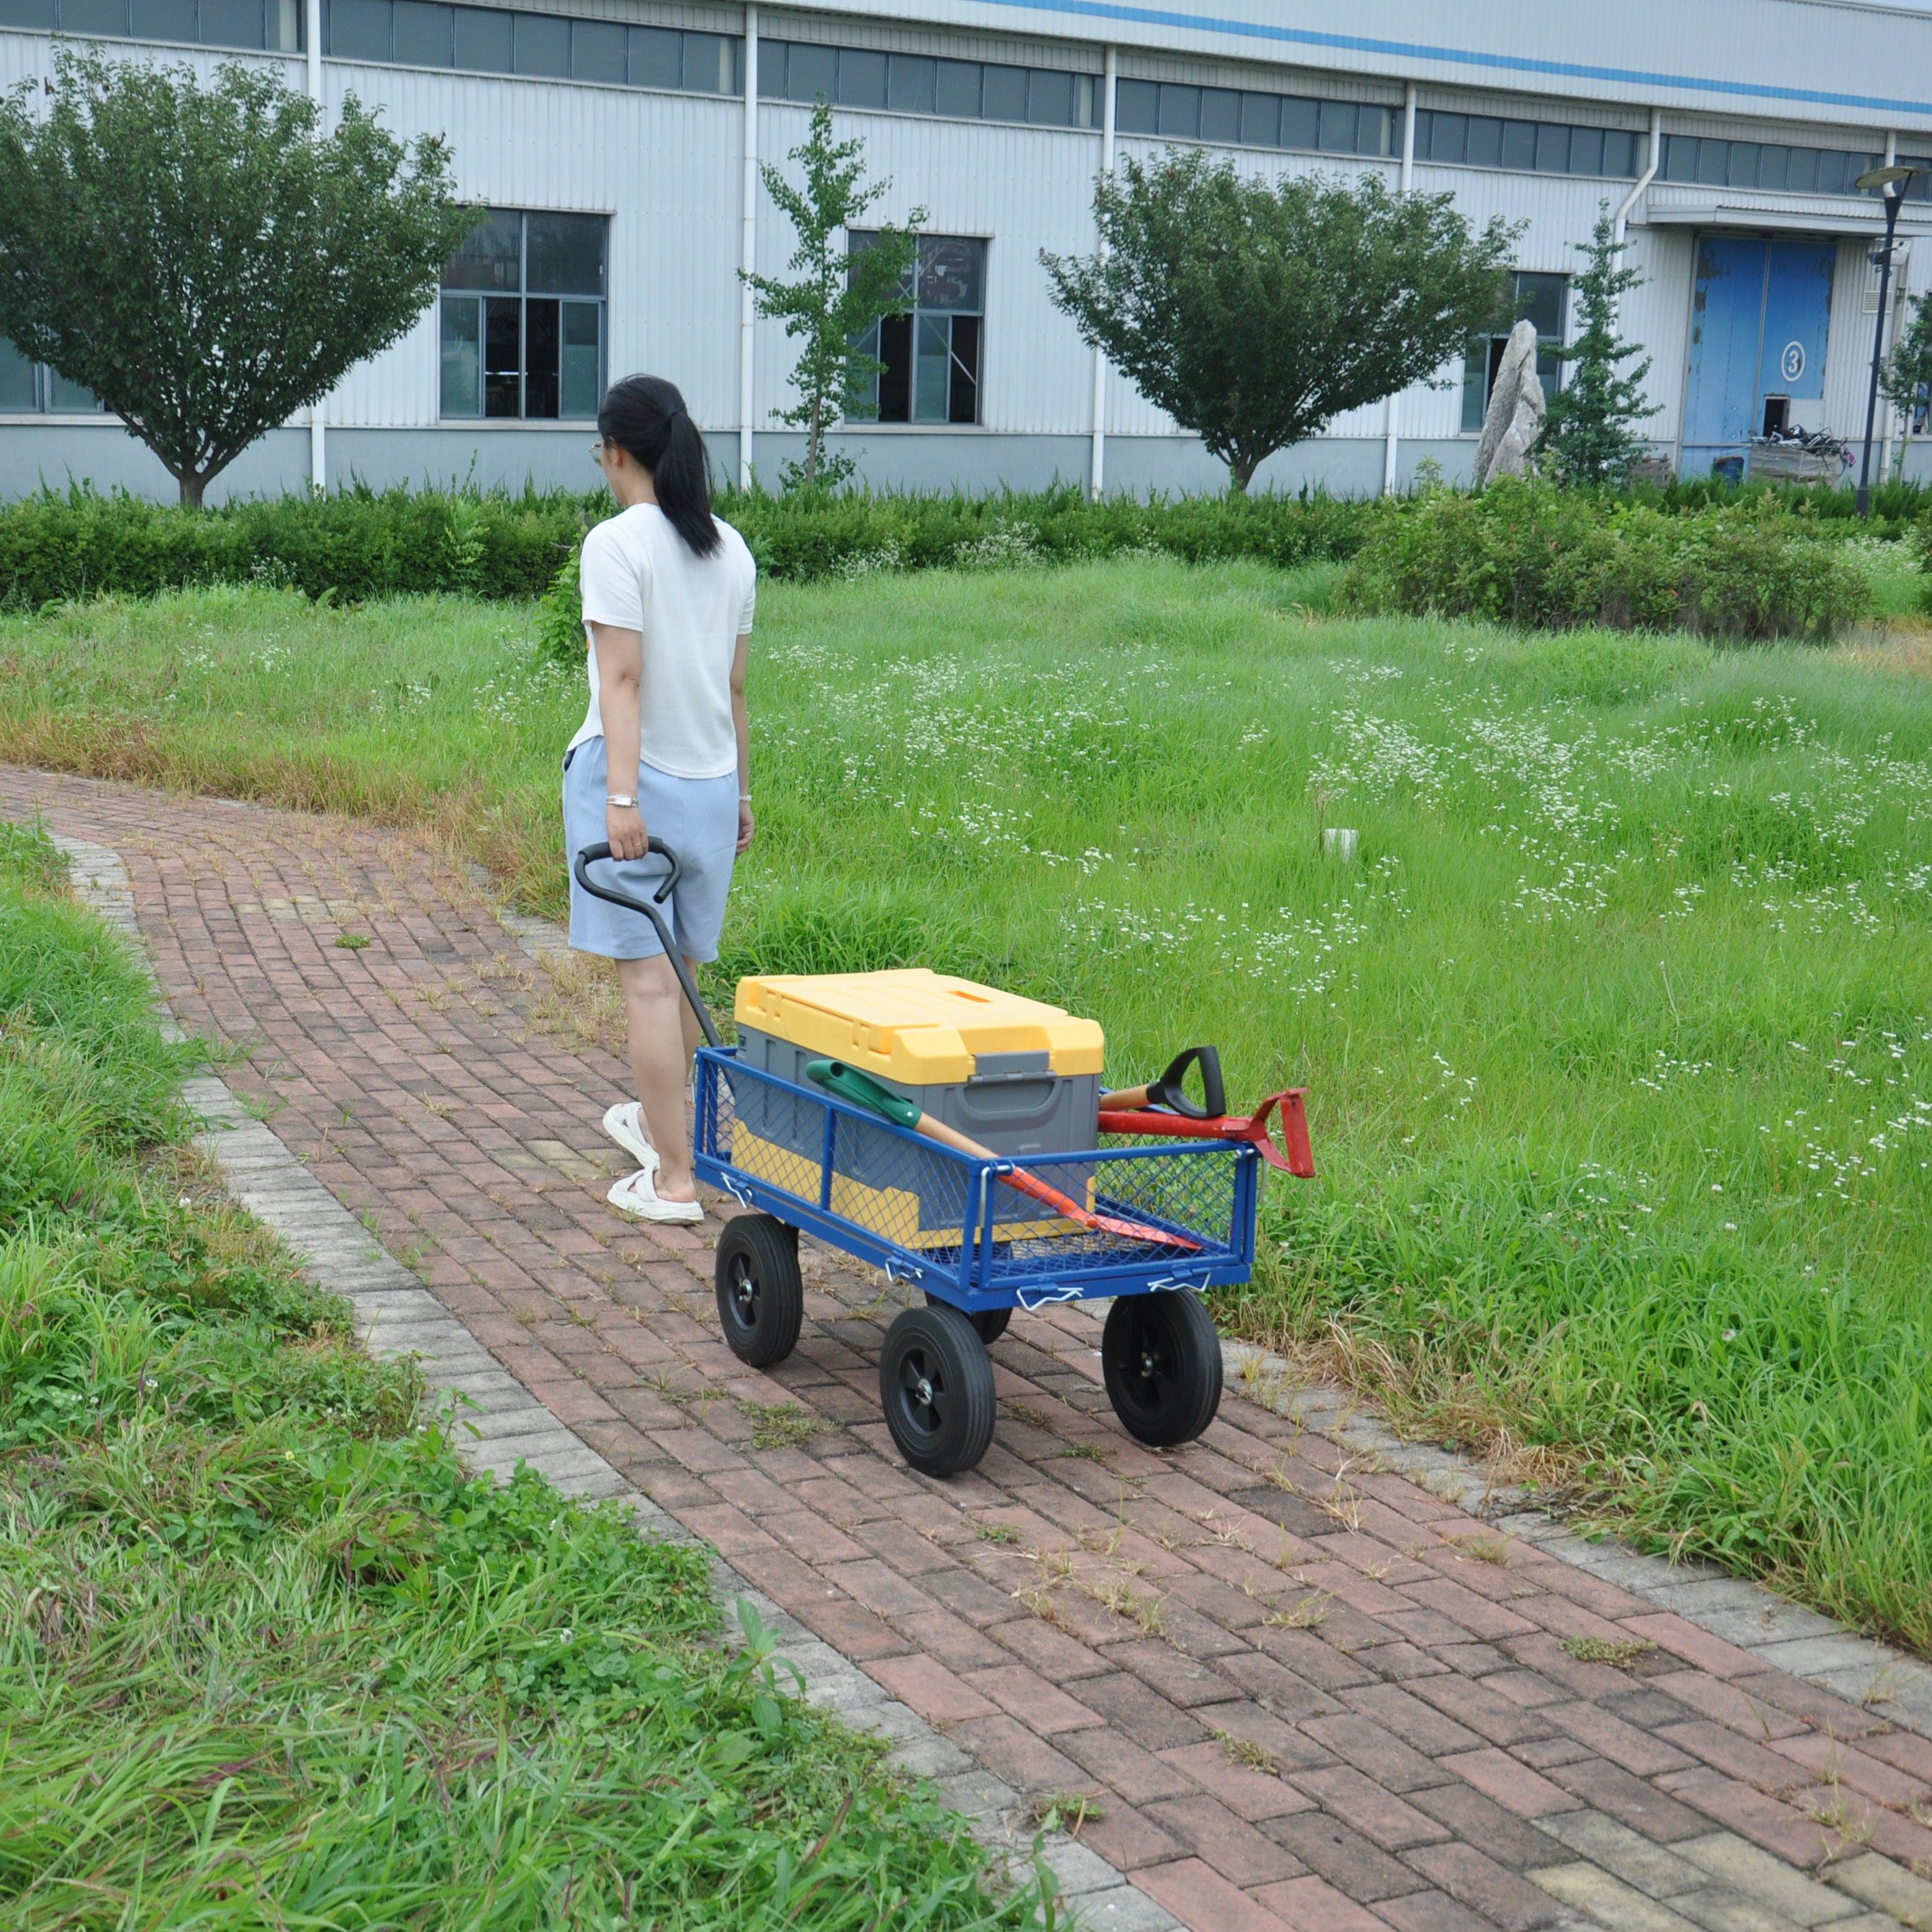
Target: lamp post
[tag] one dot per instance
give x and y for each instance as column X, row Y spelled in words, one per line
column 1894, row 180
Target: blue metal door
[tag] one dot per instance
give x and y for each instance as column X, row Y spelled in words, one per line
column 1797, row 313
column 1760, row 317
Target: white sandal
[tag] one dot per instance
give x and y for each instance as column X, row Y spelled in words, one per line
column 624, row 1124
column 637, row 1194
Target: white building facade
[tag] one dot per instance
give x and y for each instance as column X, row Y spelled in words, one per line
column 617, row 143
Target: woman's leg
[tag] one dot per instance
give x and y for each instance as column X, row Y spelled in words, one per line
column 663, row 1034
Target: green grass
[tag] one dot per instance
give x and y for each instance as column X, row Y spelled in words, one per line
column 1617, row 1037
column 268, row 1656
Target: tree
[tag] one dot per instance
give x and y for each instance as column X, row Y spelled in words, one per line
column 1587, row 430
column 205, row 260
column 840, row 292
column 1906, row 375
column 1252, row 311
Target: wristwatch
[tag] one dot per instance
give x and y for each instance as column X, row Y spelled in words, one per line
column 611, row 798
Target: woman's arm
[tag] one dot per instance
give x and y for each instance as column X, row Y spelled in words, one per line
column 620, row 673
column 741, row 723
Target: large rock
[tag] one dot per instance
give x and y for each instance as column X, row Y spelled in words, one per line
column 1515, row 417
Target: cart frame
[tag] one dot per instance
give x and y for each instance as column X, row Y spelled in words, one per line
column 982, row 1279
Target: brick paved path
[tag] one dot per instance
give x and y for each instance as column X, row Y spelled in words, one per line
column 1298, row 1692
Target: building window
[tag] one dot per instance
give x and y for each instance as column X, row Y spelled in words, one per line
column 1178, row 111
column 32, row 388
column 1774, row 168
column 958, row 90
column 932, row 355
column 273, row 24
column 1529, row 147
column 1541, row 299
column 492, row 39
column 522, row 318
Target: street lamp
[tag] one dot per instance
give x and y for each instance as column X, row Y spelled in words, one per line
column 1894, row 179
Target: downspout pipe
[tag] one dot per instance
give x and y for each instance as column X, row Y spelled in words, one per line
column 1097, row 474
column 1620, row 221
column 748, row 252
column 318, row 415
column 1392, row 425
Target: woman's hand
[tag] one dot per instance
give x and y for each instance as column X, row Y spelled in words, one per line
column 624, row 827
column 747, row 825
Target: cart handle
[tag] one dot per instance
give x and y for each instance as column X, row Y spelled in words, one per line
column 588, row 857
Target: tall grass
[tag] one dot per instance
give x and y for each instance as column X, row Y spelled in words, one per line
column 1618, row 1036
column 268, row 1657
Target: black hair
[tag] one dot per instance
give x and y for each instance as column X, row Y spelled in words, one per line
column 645, row 415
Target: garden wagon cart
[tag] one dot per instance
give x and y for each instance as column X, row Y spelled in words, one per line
column 971, row 1233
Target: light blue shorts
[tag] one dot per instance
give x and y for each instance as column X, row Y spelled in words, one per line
column 697, row 817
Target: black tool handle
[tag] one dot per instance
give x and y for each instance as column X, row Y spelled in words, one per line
column 1170, row 1091
column 588, row 857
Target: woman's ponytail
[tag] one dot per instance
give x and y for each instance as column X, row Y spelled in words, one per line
column 645, row 415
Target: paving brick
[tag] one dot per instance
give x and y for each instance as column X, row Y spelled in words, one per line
column 1408, row 1717
column 1786, row 1833
column 1226, row 1841
column 1728, row 1703
column 1137, row 1713
column 938, row 1695
column 1342, row 1856
column 1611, row 1738
column 1511, row 1784
column 1476, row 1819
column 1369, row 1806
column 1312, row 1904
column 1362, row 1742
column 1671, row 1633
column 1010, row 1750
column 1139, row 1776
column 1204, row 1900
column 1629, row 1800
column 1249, row 1793
column 1023, row 1694
column 1721, row 1747
column 1832, row 1761
column 1484, row 1886
column 1480, row 1704
column 1432, row 1912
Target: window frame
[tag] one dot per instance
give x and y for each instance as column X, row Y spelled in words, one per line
column 1473, row 416
column 869, row 342
column 476, row 300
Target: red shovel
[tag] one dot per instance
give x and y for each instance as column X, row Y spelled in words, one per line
column 1293, row 1155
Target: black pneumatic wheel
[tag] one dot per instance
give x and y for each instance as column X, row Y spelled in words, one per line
column 1162, row 1361
column 989, row 1324
column 760, row 1293
column 936, row 1386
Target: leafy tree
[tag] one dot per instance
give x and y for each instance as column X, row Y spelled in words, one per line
column 205, row 260
column 1252, row 311
column 840, row 292
column 1906, row 376
column 1588, row 432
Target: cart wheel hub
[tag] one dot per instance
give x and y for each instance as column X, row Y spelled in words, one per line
column 1150, row 1364
column 924, row 1391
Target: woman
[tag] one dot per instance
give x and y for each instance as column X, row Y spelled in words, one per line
column 664, row 752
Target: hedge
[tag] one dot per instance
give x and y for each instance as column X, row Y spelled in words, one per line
column 1529, row 555
column 359, row 544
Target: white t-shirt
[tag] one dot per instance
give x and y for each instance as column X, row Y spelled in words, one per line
column 639, row 574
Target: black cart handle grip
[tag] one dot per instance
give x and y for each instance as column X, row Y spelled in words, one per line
column 601, row 849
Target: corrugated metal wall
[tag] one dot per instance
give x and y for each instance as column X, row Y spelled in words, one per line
column 666, row 169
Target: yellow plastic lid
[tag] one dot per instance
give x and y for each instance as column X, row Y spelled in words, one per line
column 919, row 1028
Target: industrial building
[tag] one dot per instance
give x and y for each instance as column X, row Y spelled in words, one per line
column 617, row 143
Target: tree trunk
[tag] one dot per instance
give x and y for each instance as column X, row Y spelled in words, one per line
column 193, row 483
column 1241, row 473
column 814, row 441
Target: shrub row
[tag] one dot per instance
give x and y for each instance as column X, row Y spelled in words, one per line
column 360, row 543
column 1526, row 554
